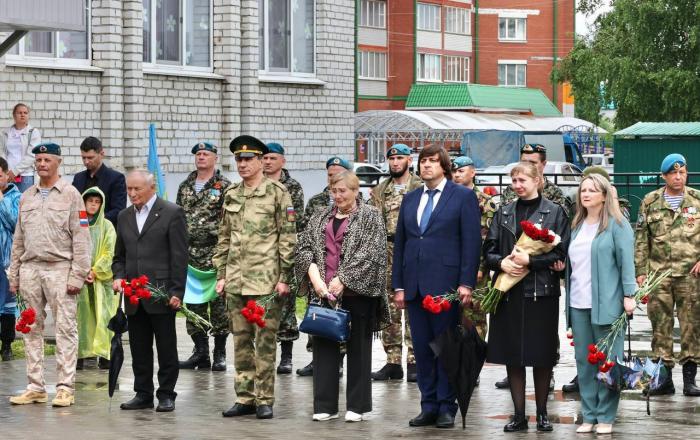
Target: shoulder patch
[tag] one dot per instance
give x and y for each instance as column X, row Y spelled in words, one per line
column 291, row 214
column 84, row 222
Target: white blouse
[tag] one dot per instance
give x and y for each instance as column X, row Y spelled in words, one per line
column 581, row 293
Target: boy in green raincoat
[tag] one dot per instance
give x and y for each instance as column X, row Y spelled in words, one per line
column 96, row 302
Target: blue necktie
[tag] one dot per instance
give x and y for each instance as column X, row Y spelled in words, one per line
column 425, row 218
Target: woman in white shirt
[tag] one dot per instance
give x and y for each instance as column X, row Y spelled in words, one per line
column 16, row 143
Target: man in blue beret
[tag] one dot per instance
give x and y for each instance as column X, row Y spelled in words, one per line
column 668, row 238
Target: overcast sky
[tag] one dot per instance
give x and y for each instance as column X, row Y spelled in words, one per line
column 583, row 23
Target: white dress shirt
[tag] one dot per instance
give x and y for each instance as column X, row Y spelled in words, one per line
column 424, row 198
column 142, row 214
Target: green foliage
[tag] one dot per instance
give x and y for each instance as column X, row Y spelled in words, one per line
column 647, row 55
column 18, row 349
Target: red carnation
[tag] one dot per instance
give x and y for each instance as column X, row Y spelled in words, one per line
column 601, row 356
column 250, row 304
column 124, row 284
column 20, row 325
column 572, row 343
column 445, row 305
column 145, row 294
column 143, row 279
column 592, row 359
column 25, row 329
column 592, row 348
column 645, row 299
column 128, row 290
column 134, row 300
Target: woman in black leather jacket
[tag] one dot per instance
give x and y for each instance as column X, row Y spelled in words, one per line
column 523, row 330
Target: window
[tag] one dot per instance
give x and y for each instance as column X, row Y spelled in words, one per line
column 429, row 67
column 287, row 36
column 373, row 14
column 428, row 17
column 177, row 33
column 511, row 29
column 372, row 65
column 457, row 21
column 456, row 69
column 511, row 74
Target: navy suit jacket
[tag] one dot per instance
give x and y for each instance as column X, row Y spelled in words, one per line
column 112, row 184
column 447, row 255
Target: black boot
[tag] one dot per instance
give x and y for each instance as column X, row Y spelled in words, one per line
column 200, row 354
column 690, row 369
column 571, row 387
column 388, row 371
column 7, row 336
column 219, row 353
column 503, row 384
column 285, row 366
column 665, row 388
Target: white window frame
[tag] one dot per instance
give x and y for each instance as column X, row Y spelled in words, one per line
column 367, row 10
column 462, row 65
column 168, row 67
column 517, row 64
column 462, row 20
column 430, row 21
column 517, row 20
column 373, row 61
column 421, row 73
column 55, row 62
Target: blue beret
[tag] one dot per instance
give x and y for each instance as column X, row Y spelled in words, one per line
column 462, row 161
column 274, row 147
column 335, row 160
column 248, row 146
column 47, row 148
column 204, row 146
column 398, row 150
column 672, row 162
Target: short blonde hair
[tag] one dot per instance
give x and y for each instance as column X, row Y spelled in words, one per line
column 347, row 177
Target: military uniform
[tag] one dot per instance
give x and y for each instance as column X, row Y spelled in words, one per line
column 550, row 192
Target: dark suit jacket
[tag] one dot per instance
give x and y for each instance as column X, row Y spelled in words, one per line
column 447, row 254
column 159, row 251
column 112, row 184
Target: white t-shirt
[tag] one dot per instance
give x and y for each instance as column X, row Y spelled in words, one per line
column 580, row 257
column 14, row 146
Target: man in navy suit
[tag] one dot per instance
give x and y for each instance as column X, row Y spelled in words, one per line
column 436, row 251
column 109, row 181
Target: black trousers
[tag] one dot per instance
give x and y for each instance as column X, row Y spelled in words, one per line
column 142, row 329
column 326, row 358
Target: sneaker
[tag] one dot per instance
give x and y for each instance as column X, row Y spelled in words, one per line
column 28, row 397
column 322, row 417
column 63, row 398
column 352, row 416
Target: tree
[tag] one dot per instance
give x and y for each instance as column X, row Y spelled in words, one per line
column 644, row 55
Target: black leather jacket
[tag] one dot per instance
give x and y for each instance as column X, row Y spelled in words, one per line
column 499, row 243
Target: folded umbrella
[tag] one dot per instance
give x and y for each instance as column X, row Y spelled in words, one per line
column 118, row 324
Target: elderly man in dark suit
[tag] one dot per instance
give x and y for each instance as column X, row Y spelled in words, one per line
column 436, row 251
column 152, row 241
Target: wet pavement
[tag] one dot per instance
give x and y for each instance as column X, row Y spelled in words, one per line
column 203, row 395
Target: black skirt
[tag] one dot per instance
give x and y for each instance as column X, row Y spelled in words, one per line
column 524, row 331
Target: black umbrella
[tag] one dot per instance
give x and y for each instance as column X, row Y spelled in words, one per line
column 118, row 324
column 462, row 353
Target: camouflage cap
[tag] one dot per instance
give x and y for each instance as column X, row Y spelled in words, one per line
column 47, row 148
column 204, row 146
column 673, row 161
column 596, row 170
column 462, row 161
column 339, row 161
column 248, row 146
column 398, row 150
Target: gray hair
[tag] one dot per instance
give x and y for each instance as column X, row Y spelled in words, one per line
column 145, row 174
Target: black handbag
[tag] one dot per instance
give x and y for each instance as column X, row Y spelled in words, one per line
column 326, row 322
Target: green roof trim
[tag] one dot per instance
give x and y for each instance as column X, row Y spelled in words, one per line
column 661, row 129
column 461, row 96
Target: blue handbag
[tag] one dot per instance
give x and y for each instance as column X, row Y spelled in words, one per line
column 326, row 322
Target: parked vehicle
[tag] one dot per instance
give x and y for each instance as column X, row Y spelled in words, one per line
column 568, row 181
column 367, row 173
column 600, row 160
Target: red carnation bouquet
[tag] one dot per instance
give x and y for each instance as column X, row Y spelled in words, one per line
column 255, row 310
column 440, row 303
column 534, row 240
column 27, row 316
column 140, row 288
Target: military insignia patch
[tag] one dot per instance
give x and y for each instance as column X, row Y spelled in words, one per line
column 291, row 214
column 43, row 149
column 84, row 222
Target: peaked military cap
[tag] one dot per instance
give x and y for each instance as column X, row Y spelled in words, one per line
column 274, row 147
column 673, row 161
column 335, row 160
column 47, row 148
column 462, row 161
column 204, row 146
column 398, row 150
column 248, row 146
column 533, row 148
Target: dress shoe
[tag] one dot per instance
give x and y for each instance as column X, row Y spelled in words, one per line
column 138, row 402
column 411, row 373
column 603, row 428
column 307, row 370
column 445, row 420
column 322, row 417
column 517, row 423
column 571, row 387
column 388, row 372
column 585, row 428
column 423, row 419
column 352, row 416
column 239, row 409
column 28, row 397
column 503, row 384
column 63, row 398
column 166, row 404
column 690, row 369
column 543, row 423
column 263, row 412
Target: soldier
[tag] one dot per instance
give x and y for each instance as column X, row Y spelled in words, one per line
column 387, row 197
column 201, row 196
column 464, row 173
column 288, row 332
column 254, row 257
column 668, row 237
column 50, row 261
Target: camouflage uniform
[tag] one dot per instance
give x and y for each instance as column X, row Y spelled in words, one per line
column 254, row 252
column 203, row 213
column 668, row 239
column 550, row 192
column 387, row 198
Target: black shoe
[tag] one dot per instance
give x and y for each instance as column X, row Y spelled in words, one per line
column 200, row 354
column 263, row 412
column 138, row 402
column 445, row 420
column 666, row 388
column 6, row 352
column 571, row 387
column 219, row 363
column 80, row 365
column 690, row 369
column 411, row 373
column 423, row 419
column 166, row 404
column 517, row 423
column 285, row 366
column 388, row 372
column 503, row 384
column 307, row 370
column 102, row 363
column 543, row 423
column 239, row 409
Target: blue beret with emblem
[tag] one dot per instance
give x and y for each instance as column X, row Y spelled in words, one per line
column 204, row 146
column 47, row 148
column 672, row 162
column 335, row 160
column 248, row 146
column 398, row 150
column 462, row 161
column 274, row 147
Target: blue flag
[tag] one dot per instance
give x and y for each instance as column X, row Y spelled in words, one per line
column 154, row 162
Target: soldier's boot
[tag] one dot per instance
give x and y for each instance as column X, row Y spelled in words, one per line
column 7, row 335
column 29, row 397
column 665, row 388
column 200, row 354
column 388, row 372
column 308, row 370
column 690, row 369
column 285, row 366
column 219, row 363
